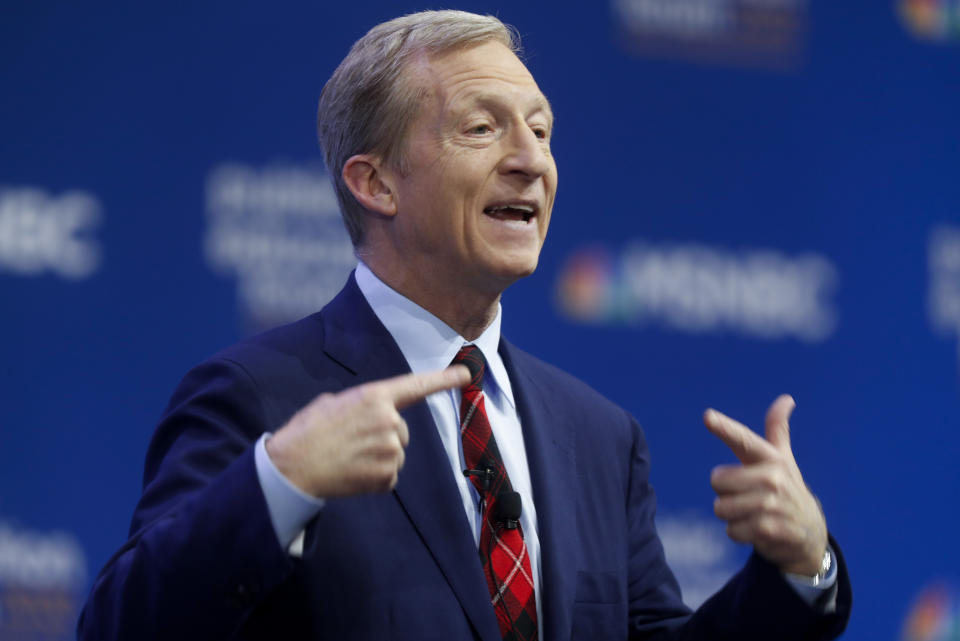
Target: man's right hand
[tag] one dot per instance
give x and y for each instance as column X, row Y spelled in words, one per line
column 353, row 441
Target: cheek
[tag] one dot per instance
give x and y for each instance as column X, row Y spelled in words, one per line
column 544, row 226
column 553, row 181
column 457, row 185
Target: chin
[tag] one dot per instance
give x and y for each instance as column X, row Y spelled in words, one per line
column 510, row 273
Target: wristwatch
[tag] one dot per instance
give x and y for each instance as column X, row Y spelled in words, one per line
column 826, row 564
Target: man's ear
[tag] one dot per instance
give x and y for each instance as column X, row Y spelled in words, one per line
column 365, row 176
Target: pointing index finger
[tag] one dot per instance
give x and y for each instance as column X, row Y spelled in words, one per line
column 407, row 389
column 746, row 444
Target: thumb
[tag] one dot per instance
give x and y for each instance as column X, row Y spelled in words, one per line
column 777, row 423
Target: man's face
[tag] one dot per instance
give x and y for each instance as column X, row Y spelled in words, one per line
column 474, row 201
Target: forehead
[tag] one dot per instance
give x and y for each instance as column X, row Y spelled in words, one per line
column 481, row 73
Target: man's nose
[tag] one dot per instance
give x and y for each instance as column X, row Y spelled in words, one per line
column 527, row 154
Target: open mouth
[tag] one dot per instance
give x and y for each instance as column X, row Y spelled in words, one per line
column 511, row 211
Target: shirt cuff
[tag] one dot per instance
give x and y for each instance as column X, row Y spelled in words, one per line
column 290, row 507
column 822, row 595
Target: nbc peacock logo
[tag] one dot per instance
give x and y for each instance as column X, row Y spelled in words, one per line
column 934, row 615
column 586, row 288
column 932, row 19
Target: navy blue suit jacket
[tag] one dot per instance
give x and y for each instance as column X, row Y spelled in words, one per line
column 203, row 562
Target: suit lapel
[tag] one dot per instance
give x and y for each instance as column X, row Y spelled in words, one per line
column 548, row 439
column 356, row 339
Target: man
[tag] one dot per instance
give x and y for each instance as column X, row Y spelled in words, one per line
column 330, row 479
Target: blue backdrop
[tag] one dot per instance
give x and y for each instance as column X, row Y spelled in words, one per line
column 756, row 196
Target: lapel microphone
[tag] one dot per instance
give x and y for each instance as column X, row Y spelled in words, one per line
column 509, row 504
column 509, row 508
column 484, row 473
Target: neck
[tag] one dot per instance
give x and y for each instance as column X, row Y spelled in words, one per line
column 465, row 310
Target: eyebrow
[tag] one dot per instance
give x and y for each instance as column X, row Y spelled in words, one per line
column 540, row 103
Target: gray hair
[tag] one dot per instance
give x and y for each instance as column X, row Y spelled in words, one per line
column 366, row 107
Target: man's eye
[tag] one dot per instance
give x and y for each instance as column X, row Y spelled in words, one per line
column 480, row 129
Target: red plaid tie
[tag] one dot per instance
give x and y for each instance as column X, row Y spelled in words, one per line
column 502, row 549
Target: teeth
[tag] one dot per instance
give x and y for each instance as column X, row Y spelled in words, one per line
column 524, row 208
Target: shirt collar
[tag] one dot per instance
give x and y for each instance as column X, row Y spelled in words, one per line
column 426, row 341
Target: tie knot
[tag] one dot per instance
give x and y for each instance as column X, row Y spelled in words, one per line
column 472, row 357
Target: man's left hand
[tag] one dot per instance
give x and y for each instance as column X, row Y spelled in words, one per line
column 764, row 499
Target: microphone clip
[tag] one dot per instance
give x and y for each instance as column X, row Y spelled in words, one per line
column 485, row 474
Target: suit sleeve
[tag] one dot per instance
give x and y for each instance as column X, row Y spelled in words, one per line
column 202, row 552
column 756, row 604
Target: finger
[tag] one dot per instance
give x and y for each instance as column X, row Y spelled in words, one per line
column 775, row 538
column 778, row 422
column 758, row 530
column 407, row 389
column 747, row 445
column 401, row 458
column 735, row 479
column 403, row 432
column 733, row 507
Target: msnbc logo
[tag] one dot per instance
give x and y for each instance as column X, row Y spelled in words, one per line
column 42, row 233
column 932, row 19
column 935, row 615
column 699, row 289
